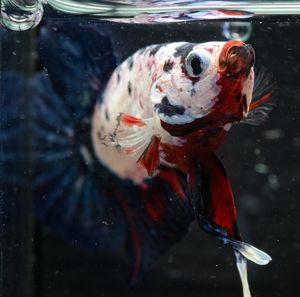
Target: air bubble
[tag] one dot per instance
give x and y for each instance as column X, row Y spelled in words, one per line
column 21, row 15
column 262, row 168
column 237, row 30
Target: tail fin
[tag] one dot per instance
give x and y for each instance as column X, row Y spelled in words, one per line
column 79, row 59
column 68, row 179
column 76, row 61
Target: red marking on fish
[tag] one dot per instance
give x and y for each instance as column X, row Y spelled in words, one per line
column 210, row 50
column 199, row 142
column 129, row 120
column 150, row 157
column 159, row 87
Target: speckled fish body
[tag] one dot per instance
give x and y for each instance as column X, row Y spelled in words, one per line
column 154, row 85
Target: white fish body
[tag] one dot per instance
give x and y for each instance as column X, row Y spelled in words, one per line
column 137, row 86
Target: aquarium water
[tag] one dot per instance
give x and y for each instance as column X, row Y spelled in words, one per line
column 54, row 243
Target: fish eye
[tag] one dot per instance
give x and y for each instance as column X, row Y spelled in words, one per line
column 196, row 64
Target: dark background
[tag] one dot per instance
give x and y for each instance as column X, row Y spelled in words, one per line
column 262, row 162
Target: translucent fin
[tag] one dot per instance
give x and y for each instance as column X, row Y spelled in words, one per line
column 252, row 253
column 247, row 250
column 132, row 138
column 241, row 264
column 263, row 85
column 258, row 115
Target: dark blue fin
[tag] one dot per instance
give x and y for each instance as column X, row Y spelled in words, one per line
column 79, row 60
column 68, row 180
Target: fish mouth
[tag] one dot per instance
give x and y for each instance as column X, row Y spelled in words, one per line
column 236, row 59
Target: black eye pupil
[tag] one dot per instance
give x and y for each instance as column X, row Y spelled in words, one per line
column 196, row 65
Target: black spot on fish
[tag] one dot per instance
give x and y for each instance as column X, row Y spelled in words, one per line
column 118, row 77
column 167, row 109
column 168, row 66
column 130, row 62
column 107, row 115
column 155, row 49
column 193, row 92
column 129, row 88
column 183, row 50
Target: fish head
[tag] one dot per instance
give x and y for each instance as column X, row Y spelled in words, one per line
column 205, row 83
column 236, row 78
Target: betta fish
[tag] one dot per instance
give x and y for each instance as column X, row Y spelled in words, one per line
column 125, row 155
